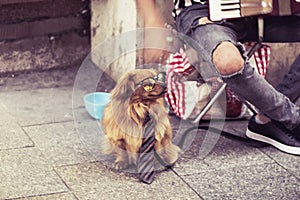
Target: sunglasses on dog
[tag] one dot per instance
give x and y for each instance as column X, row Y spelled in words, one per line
column 149, row 83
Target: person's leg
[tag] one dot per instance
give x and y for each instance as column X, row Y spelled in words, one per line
column 218, row 45
column 290, row 87
column 284, row 29
column 226, row 55
column 243, row 79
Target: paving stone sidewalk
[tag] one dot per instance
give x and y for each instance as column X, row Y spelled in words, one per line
column 48, row 151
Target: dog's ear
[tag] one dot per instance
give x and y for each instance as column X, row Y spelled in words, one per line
column 124, row 88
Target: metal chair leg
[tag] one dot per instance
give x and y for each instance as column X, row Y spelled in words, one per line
column 210, row 103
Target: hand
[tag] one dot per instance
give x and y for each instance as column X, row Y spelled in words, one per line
column 156, row 45
column 154, row 41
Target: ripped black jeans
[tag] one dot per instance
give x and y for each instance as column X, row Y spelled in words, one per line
column 246, row 82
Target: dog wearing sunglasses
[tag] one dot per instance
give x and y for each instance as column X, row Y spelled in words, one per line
column 137, row 95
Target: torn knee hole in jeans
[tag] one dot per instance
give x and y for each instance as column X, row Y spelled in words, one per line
column 238, row 45
column 242, row 51
column 233, row 74
column 246, row 71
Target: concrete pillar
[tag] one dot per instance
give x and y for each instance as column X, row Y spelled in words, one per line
column 110, row 19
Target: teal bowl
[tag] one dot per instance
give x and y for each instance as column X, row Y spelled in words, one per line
column 95, row 103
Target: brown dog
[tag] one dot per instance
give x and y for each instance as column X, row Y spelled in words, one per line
column 137, row 94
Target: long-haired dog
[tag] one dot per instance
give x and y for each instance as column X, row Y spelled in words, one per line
column 138, row 94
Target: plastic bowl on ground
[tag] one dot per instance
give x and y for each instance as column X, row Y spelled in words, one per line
column 95, row 103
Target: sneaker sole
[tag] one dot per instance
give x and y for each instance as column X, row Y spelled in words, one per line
column 278, row 145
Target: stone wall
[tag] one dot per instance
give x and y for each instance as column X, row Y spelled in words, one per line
column 43, row 34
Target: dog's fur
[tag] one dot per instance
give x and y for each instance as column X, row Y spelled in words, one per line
column 124, row 117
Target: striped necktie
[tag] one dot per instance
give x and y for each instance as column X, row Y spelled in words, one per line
column 146, row 158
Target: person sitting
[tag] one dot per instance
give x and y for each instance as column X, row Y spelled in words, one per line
column 218, row 43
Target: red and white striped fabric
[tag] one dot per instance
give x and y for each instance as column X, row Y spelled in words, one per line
column 262, row 59
column 179, row 67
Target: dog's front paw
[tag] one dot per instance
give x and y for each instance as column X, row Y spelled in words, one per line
column 118, row 165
